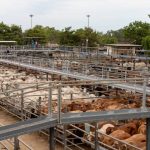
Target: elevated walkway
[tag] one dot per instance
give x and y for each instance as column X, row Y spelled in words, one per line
column 126, row 86
column 40, row 123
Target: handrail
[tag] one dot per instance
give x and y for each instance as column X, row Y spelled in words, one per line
column 20, row 141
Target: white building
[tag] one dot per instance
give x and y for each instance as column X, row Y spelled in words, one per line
column 122, row 49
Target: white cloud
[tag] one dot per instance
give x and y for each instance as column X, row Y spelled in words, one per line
column 105, row 14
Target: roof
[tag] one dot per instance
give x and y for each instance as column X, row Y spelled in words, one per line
column 33, row 37
column 124, row 45
column 8, row 42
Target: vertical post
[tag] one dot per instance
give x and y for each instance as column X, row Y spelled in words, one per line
column 133, row 65
column 50, row 101
column 148, row 134
column 39, row 105
column 125, row 76
column 22, row 105
column 59, row 103
column 71, row 96
column 65, row 136
column 144, row 93
column 60, row 78
column 108, row 74
column 31, row 19
column 16, row 143
column 96, row 136
column 47, row 76
column 102, row 72
column 52, row 138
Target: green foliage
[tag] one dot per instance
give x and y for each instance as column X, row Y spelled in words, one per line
column 67, row 37
column 107, row 39
column 78, row 37
column 52, row 35
column 43, row 35
column 37, row 34
column 16, row 34
column 136, row 31
column 146, row 43
column 10, row 33
column 4, row 32
column 118, row 36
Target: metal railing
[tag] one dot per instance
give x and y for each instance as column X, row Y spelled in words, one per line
column 12, row 143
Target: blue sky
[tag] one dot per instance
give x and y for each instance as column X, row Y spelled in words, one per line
column 105, row 14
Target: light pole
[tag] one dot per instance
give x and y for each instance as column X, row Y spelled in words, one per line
column 88, row 25
column 88, row 16
column 31, row 16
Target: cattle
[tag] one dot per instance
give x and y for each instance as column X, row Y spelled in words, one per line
column 101, row 130
column 130, row 128
column 119, row 134
column 142, row 129
column 138, row 140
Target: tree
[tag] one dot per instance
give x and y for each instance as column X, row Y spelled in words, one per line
column 107, row 38
column 36, row 34
column 4, row 32
column 52, row 35
column 67, row 37
column 146, row 42
column 136, row 31
column 16, row 34
column 11, row 33
column 118, row 35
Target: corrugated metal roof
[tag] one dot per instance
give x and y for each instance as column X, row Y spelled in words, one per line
column 8, row 42
column 123, row 45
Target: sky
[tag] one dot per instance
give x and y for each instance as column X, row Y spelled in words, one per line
column 104, row 14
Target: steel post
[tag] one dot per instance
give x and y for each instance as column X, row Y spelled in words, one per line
column 65, row 136
column 71, row 96
column 52, row 138
column 22, row 105
column 102, row 72
column 47, row 76
column 39, row 105
column 59, row 103
column 50, row 101
column 144, row 93
column 16, row 143
column 96, row 136
column 148, row 134
column 125, row 76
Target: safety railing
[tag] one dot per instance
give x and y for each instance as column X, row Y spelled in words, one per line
column 13, row 143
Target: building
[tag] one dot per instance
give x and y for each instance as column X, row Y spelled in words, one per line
column 122, row 49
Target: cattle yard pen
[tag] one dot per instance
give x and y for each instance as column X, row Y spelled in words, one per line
column 24, row 113
column 99, row 74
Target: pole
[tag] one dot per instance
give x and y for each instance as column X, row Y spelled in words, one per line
column 88, row 16
column 96, row 136
column 144, row 93
column 16, row 143
column 59, row 103
column 148, row 134
column 50, row 101
column 88, row 25
column 65, row 136
column 52, row 138
column 22, row 105
column 31, row 19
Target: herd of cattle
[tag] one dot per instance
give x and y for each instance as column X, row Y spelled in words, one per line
column 132, row 131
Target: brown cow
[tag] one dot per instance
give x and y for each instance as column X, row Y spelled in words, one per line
column 130, row 128
column 138, row 140
column 119, row 134
column 142, row 129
